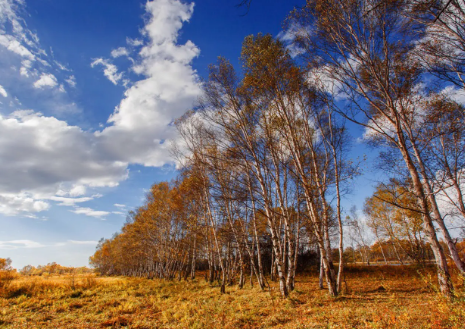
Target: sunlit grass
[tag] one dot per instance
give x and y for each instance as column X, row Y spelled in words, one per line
column 377, row 297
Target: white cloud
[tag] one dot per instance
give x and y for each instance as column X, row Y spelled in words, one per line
column 3, row 91
column 26, row 63
column 377, row 127
column 77, row 190
column 121, row 51
column 83, row 242
column 15, row 36
column 143, row 120
column 40, row 154
column 329, row 78
column 289, row 35
column 29, row 215
column 29, row 244
column 15, row 46
column 457, row 95
column 134, row 42
column 43, row 62
column 23, row 71
column 18, row 244
column 70, row 197
column 63, row 201
column 122, row 206
column 13, row 204
column 109, row 70
column 447, row 198
column 71, row 81
column 46, row 80
column 61, row 66
column 90, row 212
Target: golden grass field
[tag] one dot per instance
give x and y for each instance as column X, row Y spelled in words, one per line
column 376, row 297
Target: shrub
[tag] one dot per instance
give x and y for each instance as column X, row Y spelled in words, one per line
column 6, row 278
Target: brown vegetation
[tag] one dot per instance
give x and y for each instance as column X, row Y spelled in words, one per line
column 375, row 297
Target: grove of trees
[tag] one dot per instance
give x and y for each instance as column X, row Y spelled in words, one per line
column 264, row 155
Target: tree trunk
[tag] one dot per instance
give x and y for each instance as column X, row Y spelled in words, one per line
column 320, row 281
column 445, row 283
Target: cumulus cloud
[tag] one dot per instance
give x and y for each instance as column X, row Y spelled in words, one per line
column 40, row 154
column 142, row 122
column 109, row 70
column 39, row 151
column 12, row 204
column 3, row 91
column 77, row 191
column 46, row 80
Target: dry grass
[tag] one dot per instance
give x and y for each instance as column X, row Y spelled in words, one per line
column 377, row 297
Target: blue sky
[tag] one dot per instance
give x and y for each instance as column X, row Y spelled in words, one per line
column 88, row 92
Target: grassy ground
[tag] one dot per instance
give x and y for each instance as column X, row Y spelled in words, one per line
column 376, row 297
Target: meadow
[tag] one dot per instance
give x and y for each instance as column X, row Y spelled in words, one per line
column 374, row 297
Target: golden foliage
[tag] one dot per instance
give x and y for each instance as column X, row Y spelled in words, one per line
column 377, row 297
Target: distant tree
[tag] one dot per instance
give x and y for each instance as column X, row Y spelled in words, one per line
column 358, row 233
column 5, row 264
column 395, row 218
column 27, row 270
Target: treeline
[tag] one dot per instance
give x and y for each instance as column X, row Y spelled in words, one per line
column 264, row 152
column 398, row 252
column 53, row 269
column 170, row 237
column 42, row 270
column 392, row 230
